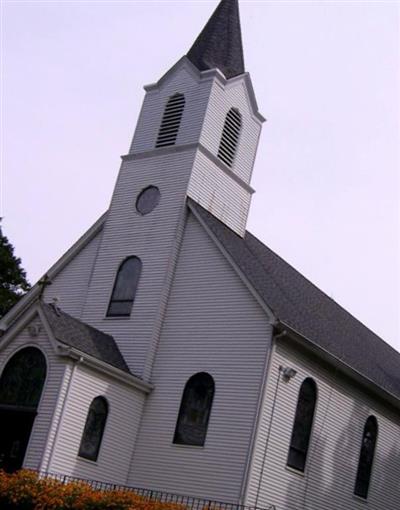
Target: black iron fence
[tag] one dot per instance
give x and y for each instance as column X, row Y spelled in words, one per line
column 188, row 502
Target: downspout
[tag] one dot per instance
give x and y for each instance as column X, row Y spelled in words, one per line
column 283, row 333
column 263, row 387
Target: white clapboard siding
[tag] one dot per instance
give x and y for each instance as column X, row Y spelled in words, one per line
column 196, row 93
column 151, row 238
column 341, row 411
column 71, row 284
column 53, row 384
column 213, row 324
column 125, row 408
column 217, row 192
column 222, row 99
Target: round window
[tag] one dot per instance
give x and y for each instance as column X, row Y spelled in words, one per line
column 148, row 200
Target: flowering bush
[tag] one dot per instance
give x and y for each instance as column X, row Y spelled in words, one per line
column 24, row 490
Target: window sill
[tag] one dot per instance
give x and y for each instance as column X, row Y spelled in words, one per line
column 360, row 498
column 295, row 471
column 116, row 317
column 196, row 447
column 88, row 461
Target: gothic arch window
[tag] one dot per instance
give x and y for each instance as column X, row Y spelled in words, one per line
column 230, row 136
column 302, row 426
column 171, row 120
column 366, row 458
column 22, row 380
column 94, row 429
column 125, row 287
column 194, row 412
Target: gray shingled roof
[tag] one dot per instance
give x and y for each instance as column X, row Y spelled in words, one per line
column 299, row 304
column 220, row 43
column 85, row 338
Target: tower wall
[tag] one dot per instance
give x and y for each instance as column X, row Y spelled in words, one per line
column 190, row 167
column 225, row 95
column 181, row 78
column 152, row 238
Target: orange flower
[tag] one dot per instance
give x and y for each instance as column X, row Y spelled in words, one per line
column 25, row 490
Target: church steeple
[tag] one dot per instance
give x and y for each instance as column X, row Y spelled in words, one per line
column 219, row 45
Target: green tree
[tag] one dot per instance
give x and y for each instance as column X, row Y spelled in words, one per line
column 13, row 282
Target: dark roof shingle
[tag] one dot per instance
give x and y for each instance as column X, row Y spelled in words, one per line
column 219, row 45
column 299, row 304
column 85, row 338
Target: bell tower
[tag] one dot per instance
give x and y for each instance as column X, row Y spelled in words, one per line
column 218, row 117
column 196, row 137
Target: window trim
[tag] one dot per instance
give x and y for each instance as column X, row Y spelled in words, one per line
column 182, row 405
column 141, row 193
column 100, row 441
column 109, row 315
column 11, row 356
column 171, row 121
column 356, row 490
column 310, row 433
column 230, row 137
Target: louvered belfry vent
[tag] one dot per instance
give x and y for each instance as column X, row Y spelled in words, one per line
column 171, row 121
column 230, row 136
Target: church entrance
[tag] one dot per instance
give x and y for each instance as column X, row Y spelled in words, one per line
column 21, row 386
column 16, row 429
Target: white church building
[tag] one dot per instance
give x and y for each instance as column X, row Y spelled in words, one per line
column 182, row 354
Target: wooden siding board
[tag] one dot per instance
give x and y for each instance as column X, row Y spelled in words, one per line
column 55, row 372
column 222, row 99
column 57, row 417
column 151, row 238
column 196, row 94
column 341, row 411
column 71, row 284
column 214, row 190
column 125, row 409
column 212, row 324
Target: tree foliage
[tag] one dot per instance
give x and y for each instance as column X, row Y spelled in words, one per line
column 13, row 282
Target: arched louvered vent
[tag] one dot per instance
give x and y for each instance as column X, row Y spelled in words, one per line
column 171, row 121
column 230, row 136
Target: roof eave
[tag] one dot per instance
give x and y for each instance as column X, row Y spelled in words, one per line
column 27, row 300
column 338, row 363
column 100, row 366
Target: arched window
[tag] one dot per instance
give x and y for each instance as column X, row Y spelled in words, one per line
column 302, row 426
column 194, row 413
column 171, row 120
column 366, row 457
column 94, row 429
column 230, row 136
column 125, row 287
column 23, row 378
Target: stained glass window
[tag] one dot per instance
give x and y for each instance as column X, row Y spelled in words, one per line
column 94, row 429
column 194, row 412
column 302, row 426
column 366, row 457
column 22, row 379
column 125, row 287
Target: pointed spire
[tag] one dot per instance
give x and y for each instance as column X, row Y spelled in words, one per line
column 220, row 43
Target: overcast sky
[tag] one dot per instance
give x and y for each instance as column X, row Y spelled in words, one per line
column 326, row 76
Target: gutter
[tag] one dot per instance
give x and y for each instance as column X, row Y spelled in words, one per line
column 100, row 366
column 353, row 373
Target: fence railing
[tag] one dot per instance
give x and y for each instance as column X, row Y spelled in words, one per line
column 191, row 503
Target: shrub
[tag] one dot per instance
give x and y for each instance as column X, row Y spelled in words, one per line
column 24, row 490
